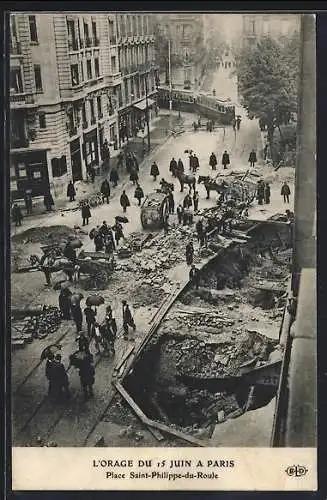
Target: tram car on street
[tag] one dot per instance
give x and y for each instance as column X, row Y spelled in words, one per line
column 215, row 108
column 222, row 111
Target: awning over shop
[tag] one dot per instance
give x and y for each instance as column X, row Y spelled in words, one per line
column 142, row 104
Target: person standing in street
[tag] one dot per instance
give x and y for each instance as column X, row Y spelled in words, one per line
column 64, row 302
column 173, row 167
column 267, row 193
column 127, row 319
column 60, row 379
column 86, row 213
column 234, row 124
column 134, row 176
column 238, row 123
column 114, row 177
column 187, row 202
column 189, row 253
column 77, row 314
column 196, row 201
column 16, row 215
column 83, row 343
column 87, row 377
column 91, row 173
column 180, row 168
column 200, row 231
column 154, row 171
column 71, row 193
column 225, row 159
column 195, row 163
column 285, row 192
column 171, row 202
column 96, row 336
column 90, row 315
column 124, row 201
column 252, row 158
column 48, row 201
column 28, row 201
column 105, row 191
column 139, row 194
column 213, row 161
column 260, row 192
column 118, row 230
column 180, row 212
column 194, row 276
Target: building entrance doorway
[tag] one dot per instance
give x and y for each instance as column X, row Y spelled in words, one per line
column 76, row 159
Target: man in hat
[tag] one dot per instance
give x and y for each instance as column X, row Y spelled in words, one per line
column 127, row 319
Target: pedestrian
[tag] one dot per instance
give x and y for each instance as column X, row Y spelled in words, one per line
column 134, row 176
column 267, row 193
column 87, row 377
column 64, row 303
column 260, row 192
column 190, row 159
column 238, row 122
column 139, row 193
column 165, row 224
column 108, row 338
column 180, row 167
column 199, row 231
column 195, row 163
column 213, row 161
column 104, row 229
column 171, row 202
column 28, row 201
column 173, row 167
column 180, row 212
column 187, row 202
column 285, row 192
column 129, row 163
column 90, row 315
column 83, row 343
column 194, row 276
column 154, row 171
column 118, row 230
column 110, row 320
column 48, row 201
column 95, row 335
column 196, row 201
column 189, row 253
column 86, row 212
column 124, row 201
column 265, row 152
column 225, row 159
column 60, row 378
column 71, row 193
column 17, row 215
column 127, row 319
column 98, row 240
column 120, row 159
column 234, row 124
column 91, row 173
column 114, row 177
column 77, row 315
column 46, row 263
column 199, row 121
column 105, row 191
column 48, row 374
column 252, row 158
column 109, row 242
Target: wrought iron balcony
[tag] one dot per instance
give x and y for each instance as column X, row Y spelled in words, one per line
column 21, row 98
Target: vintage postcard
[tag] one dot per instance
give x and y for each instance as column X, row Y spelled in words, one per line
column 163, row 243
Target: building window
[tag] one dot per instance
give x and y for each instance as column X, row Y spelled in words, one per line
column 72, row 40
column 94, row 34
column 99, row 107
column 33, row 29
column 16, row 82
column 126, row 91
column 42, row 121
column 96, row 67
column 89, row 69
column 74, row 74
column 93, row 120
column 113, row 64
column 38, row 78
column 129, row 25
column 122, row 26
column 134, row 25
column 87, row 35
column 139, row 22
column 112, row 133
column 84, row 113
column 112, row 34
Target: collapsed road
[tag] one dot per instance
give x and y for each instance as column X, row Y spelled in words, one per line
column 214, row 352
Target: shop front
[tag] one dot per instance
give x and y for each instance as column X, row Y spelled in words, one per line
column 29, row 171
column 90, row 149
column 142, row 112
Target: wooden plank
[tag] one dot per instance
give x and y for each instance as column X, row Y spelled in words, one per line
column 126, row 354
column 157, row 425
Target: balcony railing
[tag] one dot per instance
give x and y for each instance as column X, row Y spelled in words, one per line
column 20, row 97
column 85, row 125
column 113, row 40
column 72, row 131
column 15, row 48
column 93, row 120
column 73, row 45
column 19, row 142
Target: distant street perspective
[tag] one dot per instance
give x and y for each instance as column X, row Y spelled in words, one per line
column 162, row 230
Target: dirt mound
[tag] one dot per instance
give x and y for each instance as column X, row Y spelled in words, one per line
column 44, row 235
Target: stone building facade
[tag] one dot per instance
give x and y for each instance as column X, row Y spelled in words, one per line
column 274, row 25
column 66, row 94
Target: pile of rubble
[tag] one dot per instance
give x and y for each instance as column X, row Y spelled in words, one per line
column 38, row 325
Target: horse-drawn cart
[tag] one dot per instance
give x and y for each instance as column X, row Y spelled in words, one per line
column 154, row 210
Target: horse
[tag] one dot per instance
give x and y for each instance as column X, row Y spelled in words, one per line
column 166, row 187
column 189, row 180
column 212, row 185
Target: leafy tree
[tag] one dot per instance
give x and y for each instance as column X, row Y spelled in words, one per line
column 267, row 83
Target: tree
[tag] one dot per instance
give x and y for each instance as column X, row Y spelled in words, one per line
column 266, row 83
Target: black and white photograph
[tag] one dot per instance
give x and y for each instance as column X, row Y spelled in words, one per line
column 163, row 242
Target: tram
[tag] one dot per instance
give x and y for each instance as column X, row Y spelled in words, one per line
column 220, row 110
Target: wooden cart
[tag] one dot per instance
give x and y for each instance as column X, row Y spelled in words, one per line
column 154, row 210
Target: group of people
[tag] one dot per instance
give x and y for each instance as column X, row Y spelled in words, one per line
column 263, row 192
column 106, row 237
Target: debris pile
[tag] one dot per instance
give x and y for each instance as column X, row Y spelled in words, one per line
column 45, row 235
column 38, row 325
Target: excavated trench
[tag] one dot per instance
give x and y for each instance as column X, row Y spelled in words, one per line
column 192, row 373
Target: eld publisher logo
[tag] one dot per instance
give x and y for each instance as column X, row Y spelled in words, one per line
column 296, row 470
